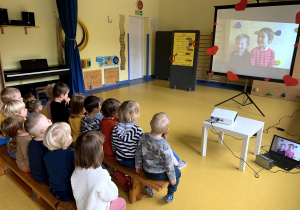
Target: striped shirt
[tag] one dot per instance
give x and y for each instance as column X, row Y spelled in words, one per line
column 262, row 58
column 124, row 139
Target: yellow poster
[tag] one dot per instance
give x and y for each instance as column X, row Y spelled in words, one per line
column 183, row 49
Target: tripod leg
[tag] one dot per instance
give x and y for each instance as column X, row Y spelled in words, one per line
column 229, row 99
column 254, row 103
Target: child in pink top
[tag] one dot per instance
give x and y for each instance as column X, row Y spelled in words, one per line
column 289, row 152
column 263, row 55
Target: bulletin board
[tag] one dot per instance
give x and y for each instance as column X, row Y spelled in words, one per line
column 184, row 59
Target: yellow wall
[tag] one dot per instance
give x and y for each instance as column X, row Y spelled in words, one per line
column 104, row 36
column 41, row 42
column 189, row 14
column 38, row 43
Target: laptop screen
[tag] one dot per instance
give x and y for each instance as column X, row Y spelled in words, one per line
column 286, row 147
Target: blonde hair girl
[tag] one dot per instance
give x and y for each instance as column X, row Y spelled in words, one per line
column 126, row 133
column 14, row 107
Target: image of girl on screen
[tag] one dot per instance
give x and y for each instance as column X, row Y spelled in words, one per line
column 240, row 57
column 281, row 149
column 263, row 55
column 289, row 153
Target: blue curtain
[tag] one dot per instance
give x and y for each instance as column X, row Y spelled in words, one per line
column 68, row 10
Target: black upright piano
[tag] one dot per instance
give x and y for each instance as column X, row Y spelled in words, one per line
column 33, row 69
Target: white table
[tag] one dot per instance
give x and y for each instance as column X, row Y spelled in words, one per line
column 243, row 128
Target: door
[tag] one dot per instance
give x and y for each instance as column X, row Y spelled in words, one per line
column 136, row 48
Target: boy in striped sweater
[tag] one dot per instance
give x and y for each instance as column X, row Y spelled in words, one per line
column 126, row 134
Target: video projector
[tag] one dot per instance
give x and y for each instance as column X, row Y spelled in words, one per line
column 223, row 116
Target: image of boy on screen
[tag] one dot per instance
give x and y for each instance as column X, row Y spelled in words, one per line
column 289, row 152
column 240, row 58
column 263, row 55
column 281, row 149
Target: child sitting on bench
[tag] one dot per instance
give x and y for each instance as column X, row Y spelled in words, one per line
column 91, row 184
column 14, row 128
column 37, row 125
column 59, row 160
column 154, row 156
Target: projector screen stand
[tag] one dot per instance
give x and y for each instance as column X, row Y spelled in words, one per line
column 245, row 99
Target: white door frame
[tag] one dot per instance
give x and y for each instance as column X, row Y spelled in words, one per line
column 142, row 53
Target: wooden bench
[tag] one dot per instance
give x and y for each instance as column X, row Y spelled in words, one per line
column 39, row 192
column 138, row 180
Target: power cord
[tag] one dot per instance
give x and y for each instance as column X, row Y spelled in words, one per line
column 256, row 173
column 274, row 172
column 281, row 129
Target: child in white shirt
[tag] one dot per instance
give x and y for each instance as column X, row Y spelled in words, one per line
column 91, row 184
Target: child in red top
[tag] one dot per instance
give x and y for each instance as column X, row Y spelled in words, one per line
column 109, row 110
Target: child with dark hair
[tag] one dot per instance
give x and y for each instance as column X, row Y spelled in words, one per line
column 14, row 127
column 37, row 125
column 60, row 104
column 109, row 110
column 88, row 156
column 263, row 55
column 59, row 160
column 76, row 114
column 28, row 97
column 33, row 106
column 92, row 105
column 281, row 149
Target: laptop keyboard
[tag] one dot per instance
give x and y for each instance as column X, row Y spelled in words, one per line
column 282, row 162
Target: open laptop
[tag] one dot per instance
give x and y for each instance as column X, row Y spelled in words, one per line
column 284, row 152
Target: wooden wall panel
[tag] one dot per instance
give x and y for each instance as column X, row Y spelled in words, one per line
column 111, row 76
column 93, row 79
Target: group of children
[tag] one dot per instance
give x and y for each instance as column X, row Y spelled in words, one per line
column 289, row 152
column 261, row 55
column 43, row 146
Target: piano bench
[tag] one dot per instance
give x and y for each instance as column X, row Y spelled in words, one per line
column 39, row 90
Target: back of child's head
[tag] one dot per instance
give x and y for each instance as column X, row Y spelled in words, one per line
column 28, row 97
column 58, row 136
column 160, row 122
column 269, row 33
column 77, row 105
column 49, row 90
column 32, row 123
column 242, row 36
column 11, row 125
column 60, row 88
column 89, row 150
column 129, row 111
column 13, row 107
column 110, row 106
column 32, row 106
column 8, row 94
column 92, row 102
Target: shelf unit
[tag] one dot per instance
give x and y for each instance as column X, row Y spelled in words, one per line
column 25, row 27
